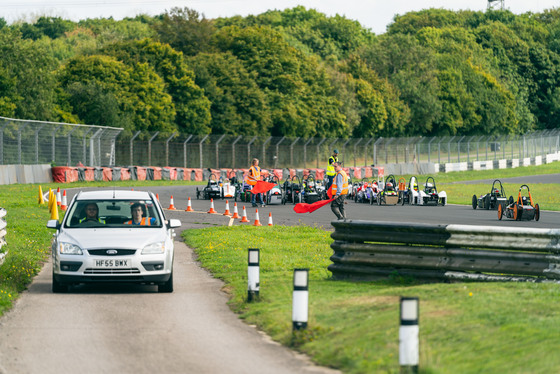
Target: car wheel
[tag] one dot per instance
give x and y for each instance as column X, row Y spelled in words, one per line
column 443, row 202
column 500, row 212
column 487, row 202
column 474, row 201
column 510, row 200
column 537, row 212
column 58, row 287
column 378, row 199
column 197, row 194
column 167, row 286
column 371, row 200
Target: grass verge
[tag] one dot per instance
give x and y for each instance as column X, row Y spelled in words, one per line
column 464, row 327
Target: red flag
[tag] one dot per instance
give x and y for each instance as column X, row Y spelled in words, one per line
column 310, row 208
column 262, row 187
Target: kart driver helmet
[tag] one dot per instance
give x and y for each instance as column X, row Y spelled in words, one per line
column 389, row 185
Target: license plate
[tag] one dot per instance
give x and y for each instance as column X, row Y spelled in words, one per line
column 112, row 263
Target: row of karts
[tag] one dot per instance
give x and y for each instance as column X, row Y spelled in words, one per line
column 381, row 192
column 294, row 190
column 389, row 192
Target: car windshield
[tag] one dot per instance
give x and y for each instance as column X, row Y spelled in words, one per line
column 113, row 213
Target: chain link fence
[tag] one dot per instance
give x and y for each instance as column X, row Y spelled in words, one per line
column 37, row 142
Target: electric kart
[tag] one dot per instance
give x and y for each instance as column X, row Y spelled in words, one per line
column 309, row 192
column 430, row 195
column 521, row 209
column 366, row 193
column 491, row 200
column 292, row 190
column 388, row 195
column 275, row 195
column 213, row 190
column 411, row 193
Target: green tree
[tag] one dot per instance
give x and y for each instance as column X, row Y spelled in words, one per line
column 239, row 107
column 191, row 105
column 138, row 90
column 185, row 30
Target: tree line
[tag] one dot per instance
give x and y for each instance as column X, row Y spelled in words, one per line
column 295, row 73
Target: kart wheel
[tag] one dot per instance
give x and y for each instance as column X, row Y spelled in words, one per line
column 537, row 212
column 443, row 201
column 510, row 200
column 371, row 201
column 500, row 212
column 487, row 202
column 378, row 200
column 197, row 194
column 515, row 212
column 474, row 201
column 356, row 198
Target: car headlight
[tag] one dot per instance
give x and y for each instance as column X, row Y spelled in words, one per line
column 154, row 248
column 69, row 249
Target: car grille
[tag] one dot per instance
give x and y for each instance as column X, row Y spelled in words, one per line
column 119, row 252
column 112, row 271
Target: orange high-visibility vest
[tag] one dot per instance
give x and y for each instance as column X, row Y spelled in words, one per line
column 254, row 175
column 344, row 184
column 144, row 222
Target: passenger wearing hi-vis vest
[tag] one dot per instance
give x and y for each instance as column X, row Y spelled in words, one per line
column 339, row 191
column 137, row 212
column 330, row 169
column 252, row 178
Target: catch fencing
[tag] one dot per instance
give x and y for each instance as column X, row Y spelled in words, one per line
column 37, row 142
column 365, row 250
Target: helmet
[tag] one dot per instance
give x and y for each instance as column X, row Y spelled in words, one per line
column 389, row 185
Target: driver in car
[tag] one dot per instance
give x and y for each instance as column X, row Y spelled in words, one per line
column 137, row 212
column 92, row 214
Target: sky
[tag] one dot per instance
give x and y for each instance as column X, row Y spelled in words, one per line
column 372, row 14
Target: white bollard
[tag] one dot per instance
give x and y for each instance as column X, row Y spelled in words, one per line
column 253, row 274
column 300, row 299
column 408, row 335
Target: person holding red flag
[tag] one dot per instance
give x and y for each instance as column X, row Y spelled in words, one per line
column 252, row 179
column 339, row 190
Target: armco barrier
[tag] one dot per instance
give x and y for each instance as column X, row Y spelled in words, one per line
column 365, row 250
column 3, row 225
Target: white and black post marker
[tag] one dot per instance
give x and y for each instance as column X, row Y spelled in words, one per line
column 300, row 299
column 408, row 335
column 253, row 274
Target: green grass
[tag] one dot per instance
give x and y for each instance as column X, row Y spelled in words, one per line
column 464, row 327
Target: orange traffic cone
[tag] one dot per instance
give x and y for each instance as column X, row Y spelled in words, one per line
column 270, row 219
column 189, row 207
column 235, row 212
column 212, row 210
column 58, row 198
column 64, row 204
column 244, row 217
column 257, row 221
column 171, row 205
column 227, row 213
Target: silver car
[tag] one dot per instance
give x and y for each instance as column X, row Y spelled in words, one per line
column 113, row 236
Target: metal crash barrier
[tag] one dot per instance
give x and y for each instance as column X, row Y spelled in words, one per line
column 367, row 250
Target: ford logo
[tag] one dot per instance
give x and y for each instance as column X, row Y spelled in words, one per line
column 112, row 252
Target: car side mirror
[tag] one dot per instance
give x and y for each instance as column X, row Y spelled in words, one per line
column 174, row 223
column 53, row 224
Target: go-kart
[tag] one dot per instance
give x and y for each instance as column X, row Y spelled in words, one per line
column 309, row 192
column 491, row 200
column 388, row 195
column 292, row 190
column 410, row 194
column 521, row 209
column 213, row 190
column 366, row 193
column 430, row 195
column 275, row 195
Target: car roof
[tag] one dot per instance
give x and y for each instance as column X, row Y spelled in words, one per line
column 113, row 195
